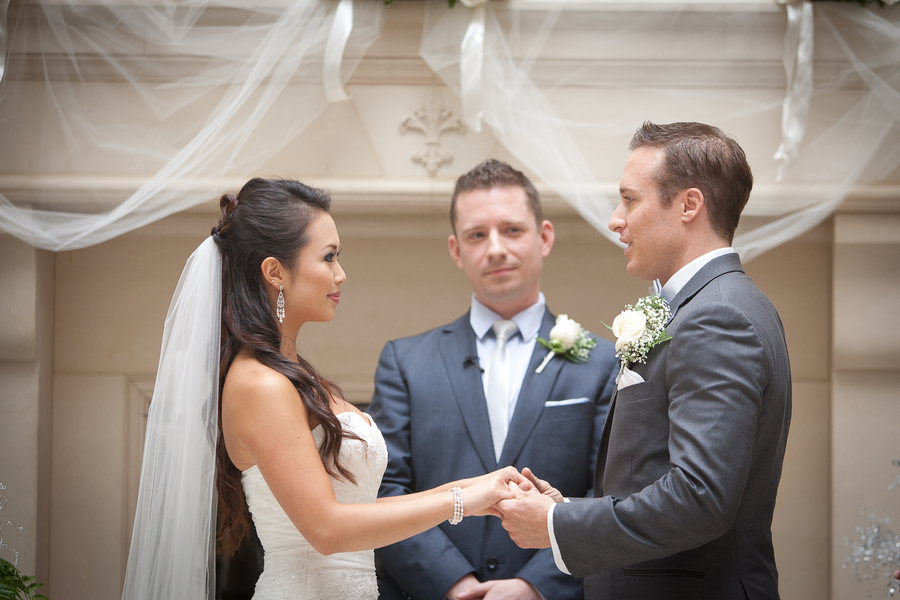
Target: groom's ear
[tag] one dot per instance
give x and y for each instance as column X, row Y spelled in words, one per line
column 453, row 247
column 692, row 204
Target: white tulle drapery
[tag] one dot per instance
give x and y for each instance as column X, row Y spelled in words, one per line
column 192, row 92
column 268, row 68
column 856, row 146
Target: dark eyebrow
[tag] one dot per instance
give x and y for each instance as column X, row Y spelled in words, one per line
column 471, row 229
column 504, row 224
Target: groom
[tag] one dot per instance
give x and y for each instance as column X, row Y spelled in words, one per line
column 446, row 413
column 691, row 455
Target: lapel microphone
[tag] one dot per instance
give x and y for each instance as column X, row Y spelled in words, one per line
column 472, row 361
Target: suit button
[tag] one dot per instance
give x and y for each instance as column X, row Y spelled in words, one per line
column 492, row 564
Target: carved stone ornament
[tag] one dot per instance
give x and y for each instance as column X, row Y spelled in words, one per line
column 432, row 120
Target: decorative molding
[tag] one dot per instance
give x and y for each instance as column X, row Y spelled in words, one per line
column 433, row 120
column 377, row 71
column 857, row 228
column 753, row 59
column 379, row 196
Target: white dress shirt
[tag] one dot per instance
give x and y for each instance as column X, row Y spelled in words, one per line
column 520, row 344
column 669, row 290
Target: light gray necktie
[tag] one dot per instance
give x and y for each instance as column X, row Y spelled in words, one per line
column 498, row 384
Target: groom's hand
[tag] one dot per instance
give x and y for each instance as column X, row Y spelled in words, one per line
column 541, row 485
column 525, row 517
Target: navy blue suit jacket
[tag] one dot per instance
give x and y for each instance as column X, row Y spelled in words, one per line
column 429, row 404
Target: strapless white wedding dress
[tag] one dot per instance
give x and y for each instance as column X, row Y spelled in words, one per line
column 292, row 568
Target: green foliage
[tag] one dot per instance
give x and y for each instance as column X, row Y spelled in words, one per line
column 578, row 353
column 16, row 586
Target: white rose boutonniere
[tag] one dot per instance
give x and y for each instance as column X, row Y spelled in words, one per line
column 640, row 327
column 629, row 326
column 568, row 339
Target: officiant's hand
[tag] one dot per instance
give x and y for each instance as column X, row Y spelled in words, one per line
column 497, row 589
column 525, row 517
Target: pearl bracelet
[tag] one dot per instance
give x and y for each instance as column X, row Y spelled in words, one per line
column 457, row 506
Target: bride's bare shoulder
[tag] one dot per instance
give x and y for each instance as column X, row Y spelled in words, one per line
column 249, row 384
column 261, row 411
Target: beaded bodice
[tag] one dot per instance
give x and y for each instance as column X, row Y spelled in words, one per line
column 293, row 569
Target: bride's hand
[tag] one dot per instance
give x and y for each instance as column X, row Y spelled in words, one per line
column 487, row 490
column 507, row 473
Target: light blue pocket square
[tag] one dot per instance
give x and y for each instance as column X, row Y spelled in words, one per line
column 550, row 403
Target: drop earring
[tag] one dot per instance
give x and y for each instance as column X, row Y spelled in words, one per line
column 279, row 306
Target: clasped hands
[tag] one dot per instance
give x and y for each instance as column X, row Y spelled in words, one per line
column 524, row 506
column 522, row 501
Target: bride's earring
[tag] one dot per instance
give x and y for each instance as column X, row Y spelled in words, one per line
column 279, row 306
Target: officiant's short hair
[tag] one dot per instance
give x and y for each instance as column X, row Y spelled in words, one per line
column 704, row 157
column 494, row 173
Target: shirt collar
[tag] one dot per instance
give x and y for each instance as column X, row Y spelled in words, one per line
column 528, row 321
column 685, row 273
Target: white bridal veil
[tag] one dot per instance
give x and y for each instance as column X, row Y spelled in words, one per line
column 172, row 547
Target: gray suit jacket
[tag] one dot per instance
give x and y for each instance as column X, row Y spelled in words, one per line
column 691, row 458
column 429, row 404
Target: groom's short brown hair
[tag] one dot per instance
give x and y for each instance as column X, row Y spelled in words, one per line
column 703, row 157
column 493, row 173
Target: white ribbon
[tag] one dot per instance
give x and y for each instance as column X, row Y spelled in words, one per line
column 798, row 66
column 4, row 6
column 548, row 358
column 334, row 52
column 471, row 66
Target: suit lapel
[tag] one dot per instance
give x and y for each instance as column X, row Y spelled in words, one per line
column 458, row 345
column 536, row 388
column 718, row 266
column 600, row 467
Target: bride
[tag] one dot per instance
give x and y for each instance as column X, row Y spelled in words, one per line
column 236, row 407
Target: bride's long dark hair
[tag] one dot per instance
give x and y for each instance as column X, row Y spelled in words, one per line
column 268, row 217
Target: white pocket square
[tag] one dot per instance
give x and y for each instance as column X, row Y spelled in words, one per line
column 627, row 377
column 567, row 402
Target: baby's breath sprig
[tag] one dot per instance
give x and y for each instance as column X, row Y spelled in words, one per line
column 640, row 327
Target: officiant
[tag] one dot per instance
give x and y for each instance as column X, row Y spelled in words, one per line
column 462, row 399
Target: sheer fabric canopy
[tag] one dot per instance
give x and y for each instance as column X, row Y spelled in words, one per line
column 270, row 68
column 854, row 145
column 242, row 80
